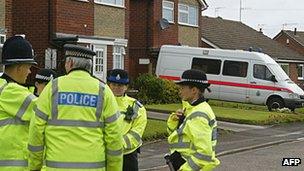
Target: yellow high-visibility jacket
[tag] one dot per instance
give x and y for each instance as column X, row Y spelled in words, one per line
column 77, row 123
column 195, row 139
column 16, row 110
column 134, row 127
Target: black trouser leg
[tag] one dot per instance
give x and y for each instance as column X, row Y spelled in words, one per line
column 130, row 162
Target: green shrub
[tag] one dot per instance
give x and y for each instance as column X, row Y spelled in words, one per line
column 153, row 90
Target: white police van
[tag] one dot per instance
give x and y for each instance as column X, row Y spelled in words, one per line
column 235, row 75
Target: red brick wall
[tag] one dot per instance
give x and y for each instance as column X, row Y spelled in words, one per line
column 205, row 45
column 72, row 16
column 168, row 35
column 34, row 24
column 292, row 43
column 9, row 17
column 293, row 72
column 109, row 57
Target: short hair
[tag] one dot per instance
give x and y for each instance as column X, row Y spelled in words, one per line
column 82, row 63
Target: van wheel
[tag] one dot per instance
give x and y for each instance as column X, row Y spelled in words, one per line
column 275, row 103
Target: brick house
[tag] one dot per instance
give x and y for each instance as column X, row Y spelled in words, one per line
column 228, row 34
column 147, row 35
column 101, row 25
column 294, row 40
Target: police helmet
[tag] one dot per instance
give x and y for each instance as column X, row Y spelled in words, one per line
column 17, row 50
column 195, row 78
column 78, row 51
column 118, row 76
column 45, row 75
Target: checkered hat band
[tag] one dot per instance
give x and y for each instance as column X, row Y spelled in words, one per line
column 197, row 81
column 41, row 77
column 77, row 54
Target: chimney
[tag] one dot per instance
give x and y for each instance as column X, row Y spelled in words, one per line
column 295, row 31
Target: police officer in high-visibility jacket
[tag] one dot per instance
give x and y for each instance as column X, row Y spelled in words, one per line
column 16, row 103
column 192, row 129
column 134, row 118
column 76, row 121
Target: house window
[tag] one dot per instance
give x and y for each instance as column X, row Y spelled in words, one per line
column 285, row 67
column 168, row 11
column 2, row 39
column 236, row 69
column 118, row 57
column 111, row 2
column 300, row 72
column 261, row 72
column 188, row 15
column 209, row 66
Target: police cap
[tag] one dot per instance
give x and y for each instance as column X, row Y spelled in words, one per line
column 195, row 78
column 118, row 76
column 17, row 50
column 78, row 51
column 45, row 75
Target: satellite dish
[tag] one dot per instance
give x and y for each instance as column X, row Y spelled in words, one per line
column 163, row 23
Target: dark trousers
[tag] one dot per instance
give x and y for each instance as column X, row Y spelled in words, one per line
column 130, row 162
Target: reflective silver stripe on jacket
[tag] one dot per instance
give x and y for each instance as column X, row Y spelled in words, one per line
column 126, row 138
column 22, row 163
column 76, row 165
column 35, row 148
column 133, row 134
column 135, row 110
column 112, row 118
column 40, row 114
column 100, row 104
column 28, row 100
column 202, row 156
column 76, row 123
column 55, row 99
column 114, row 152
column 2, row 88
column 12, row 121
column 193, row 165
column 180, row 145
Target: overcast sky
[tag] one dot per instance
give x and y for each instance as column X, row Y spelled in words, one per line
column 270, row 15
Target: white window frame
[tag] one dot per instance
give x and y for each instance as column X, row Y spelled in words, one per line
column 168, row 8
column 285, row 64
column 188, row 13
column 1, row 43
column 111, row 4
column 118, row 52
column 302, row 66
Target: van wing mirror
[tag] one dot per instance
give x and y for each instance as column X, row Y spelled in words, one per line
column 273, row 78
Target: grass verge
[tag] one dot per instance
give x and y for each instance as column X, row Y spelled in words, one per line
column 155, row 129
column 240, row 113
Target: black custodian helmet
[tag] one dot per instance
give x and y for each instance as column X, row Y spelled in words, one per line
column 17, row 50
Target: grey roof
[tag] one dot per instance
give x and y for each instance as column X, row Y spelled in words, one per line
column 298, row 37
column 228, row 34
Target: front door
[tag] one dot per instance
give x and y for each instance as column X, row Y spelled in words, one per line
column 100, row 62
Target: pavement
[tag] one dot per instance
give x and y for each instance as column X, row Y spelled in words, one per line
column 240, row 138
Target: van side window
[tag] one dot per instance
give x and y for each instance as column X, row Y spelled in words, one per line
column 261, row 72
column 209, row 66
column 234, row 68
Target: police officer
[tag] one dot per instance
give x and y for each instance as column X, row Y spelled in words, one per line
column 16, row 103
column 134, row 118
column 77, row 120
column 192, row 130
column 42, row 78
